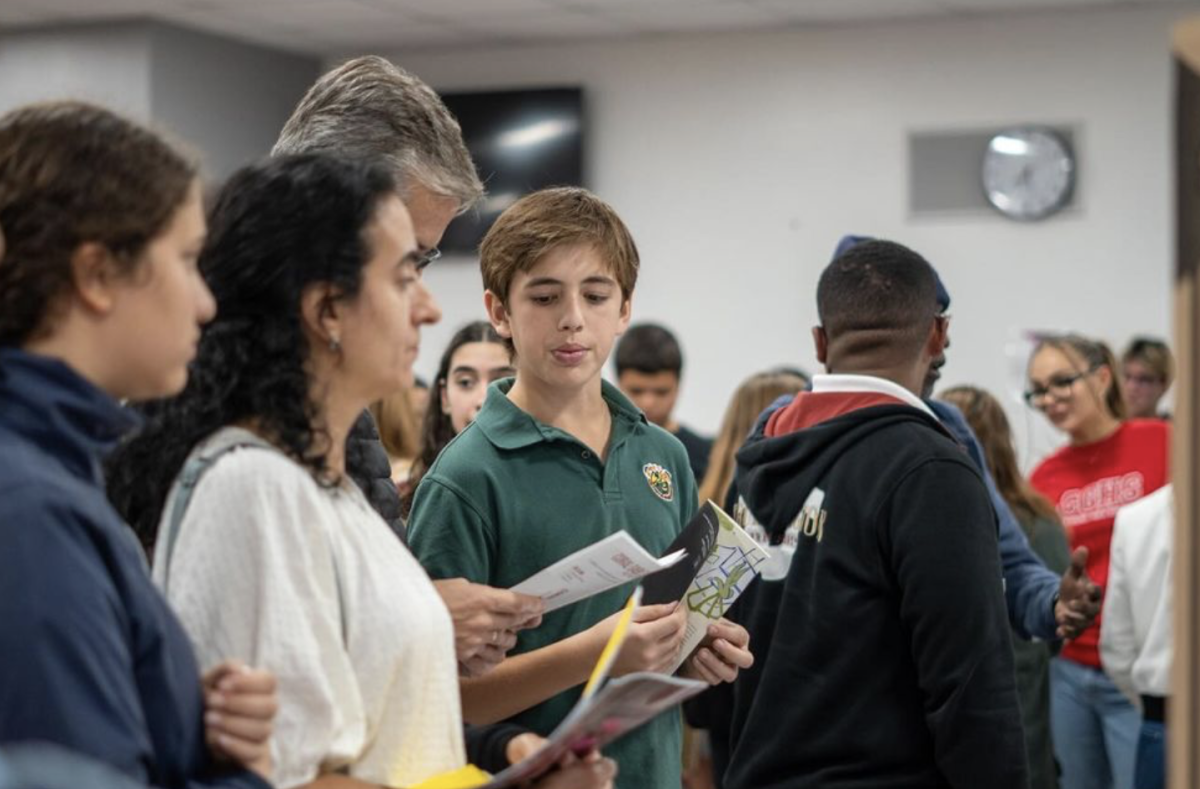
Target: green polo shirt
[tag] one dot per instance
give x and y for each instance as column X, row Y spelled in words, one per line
column 511, row 495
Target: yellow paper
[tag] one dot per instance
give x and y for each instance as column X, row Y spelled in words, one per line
column 462, row 778
column 613, row 647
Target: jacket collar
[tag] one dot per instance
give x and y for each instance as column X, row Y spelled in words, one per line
column 867, row 384
column 506, row 426
column 58, row 410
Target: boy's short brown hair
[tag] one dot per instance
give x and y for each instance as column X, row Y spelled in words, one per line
column 546, row 220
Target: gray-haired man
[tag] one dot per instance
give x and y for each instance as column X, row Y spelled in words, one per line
column 368, row 108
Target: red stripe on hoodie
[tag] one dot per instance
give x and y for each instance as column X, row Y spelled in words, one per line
column 812, row 408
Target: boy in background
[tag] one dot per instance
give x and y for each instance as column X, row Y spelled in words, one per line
column 649, row 366
column 557, row 460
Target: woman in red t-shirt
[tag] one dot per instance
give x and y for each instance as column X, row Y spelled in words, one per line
column 1109, row 462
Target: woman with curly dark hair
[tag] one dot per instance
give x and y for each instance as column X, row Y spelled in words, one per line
column 100, row 301
column 265, row 545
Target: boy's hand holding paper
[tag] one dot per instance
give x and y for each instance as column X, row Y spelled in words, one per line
column 722, row 560
column 653, row 641
column 615, row 560
column 607, row 709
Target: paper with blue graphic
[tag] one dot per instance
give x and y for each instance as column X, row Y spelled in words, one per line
column 731, row 563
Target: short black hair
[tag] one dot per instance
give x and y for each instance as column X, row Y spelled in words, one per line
column 879, row 288
column 649, row 348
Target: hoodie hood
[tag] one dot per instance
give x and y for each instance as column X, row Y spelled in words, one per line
column 793, row 447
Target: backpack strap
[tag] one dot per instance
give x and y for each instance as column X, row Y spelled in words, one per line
column 185, row 485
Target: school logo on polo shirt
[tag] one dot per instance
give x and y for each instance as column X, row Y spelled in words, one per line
column 660, row 481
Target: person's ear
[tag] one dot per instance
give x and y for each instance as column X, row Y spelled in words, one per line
column 321, row 314
column 821, row 343
column 939, row 337
column 1104, row 378
column 497, row 314
column 93, row 276
column 626, row 314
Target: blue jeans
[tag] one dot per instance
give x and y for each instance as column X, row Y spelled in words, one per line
column 1151, row 757
column 1095, row 728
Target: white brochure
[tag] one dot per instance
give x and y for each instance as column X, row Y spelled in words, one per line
column 615, row 560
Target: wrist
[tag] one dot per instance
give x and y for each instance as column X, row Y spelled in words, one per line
column 591, row 645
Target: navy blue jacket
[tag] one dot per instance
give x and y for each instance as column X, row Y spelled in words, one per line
column 1030, row 589
column 91, row 657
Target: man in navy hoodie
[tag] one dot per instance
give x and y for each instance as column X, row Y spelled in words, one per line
column 885, row 655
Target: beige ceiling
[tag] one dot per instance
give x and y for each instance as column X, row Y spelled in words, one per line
column 336, row 26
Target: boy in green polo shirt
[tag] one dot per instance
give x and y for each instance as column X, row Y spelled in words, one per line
column 557, row 460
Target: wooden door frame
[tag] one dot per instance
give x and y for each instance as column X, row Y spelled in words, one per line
column 1184, row 710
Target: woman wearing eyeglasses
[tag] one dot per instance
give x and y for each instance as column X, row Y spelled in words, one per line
column 1108, row 462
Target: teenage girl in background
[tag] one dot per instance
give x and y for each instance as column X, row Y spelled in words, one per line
column 1108, row 462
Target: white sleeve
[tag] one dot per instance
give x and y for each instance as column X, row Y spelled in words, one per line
column 252, row 577
column 1118, row 638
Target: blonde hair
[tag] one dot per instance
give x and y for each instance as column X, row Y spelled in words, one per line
column 748, row 402
column 549, row 219
column 399, row 427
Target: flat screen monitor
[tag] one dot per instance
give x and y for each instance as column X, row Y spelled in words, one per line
column 522, row 141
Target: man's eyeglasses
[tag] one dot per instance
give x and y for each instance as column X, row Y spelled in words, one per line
column 1058, row 388
column 427, row 257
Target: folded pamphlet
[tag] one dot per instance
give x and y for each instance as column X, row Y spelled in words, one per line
column 607, row 564
column 722, row 560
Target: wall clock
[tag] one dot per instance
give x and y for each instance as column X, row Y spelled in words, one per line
column 1028, row 172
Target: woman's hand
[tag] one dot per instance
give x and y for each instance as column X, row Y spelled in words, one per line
column 239, row 715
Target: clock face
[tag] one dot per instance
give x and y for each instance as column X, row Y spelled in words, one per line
column 1028, row 173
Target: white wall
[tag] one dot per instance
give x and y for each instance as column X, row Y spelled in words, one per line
column 739, row 160
column 106, row 64
column 226, row 100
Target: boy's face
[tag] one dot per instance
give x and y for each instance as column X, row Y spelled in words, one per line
column 654, row 393
column 563, row 316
